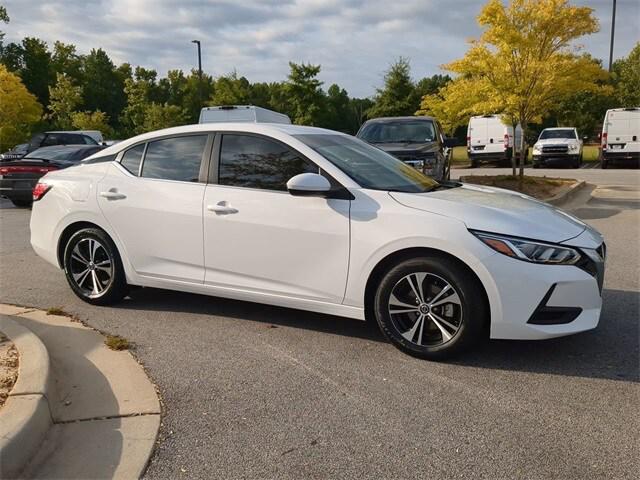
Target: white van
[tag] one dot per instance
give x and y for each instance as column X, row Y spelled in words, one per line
column 620, row 138
column 241, row 113
column 489, row 139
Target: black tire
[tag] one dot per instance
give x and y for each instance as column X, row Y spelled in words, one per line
column 22, row 202
column 536, row 165
column 604, row 164
column 475, row 163
column 471, row 311
column 111, row 282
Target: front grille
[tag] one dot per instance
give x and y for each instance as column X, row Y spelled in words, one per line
column 407, row 157
column 555, row 149
column 546, row 315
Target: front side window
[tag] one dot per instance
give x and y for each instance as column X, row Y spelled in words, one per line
column 412, row 131
column 368, row 166
column 52, row 139
column 132, row 158
column 177, row 158
column 255, row 162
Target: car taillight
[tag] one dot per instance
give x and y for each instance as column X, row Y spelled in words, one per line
column 39, row 190
column 506, row 141
column 604, row 140
column 468, row 142
column 25, row 169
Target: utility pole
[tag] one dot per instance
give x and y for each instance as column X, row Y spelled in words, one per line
column 197, row 42
column 613, row 30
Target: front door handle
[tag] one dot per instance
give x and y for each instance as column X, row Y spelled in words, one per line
column 112, row 194
column 222, row 208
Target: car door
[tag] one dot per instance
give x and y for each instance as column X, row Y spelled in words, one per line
column 152, row 198
column 258, row 237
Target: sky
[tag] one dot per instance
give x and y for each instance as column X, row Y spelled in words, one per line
column 353, row 40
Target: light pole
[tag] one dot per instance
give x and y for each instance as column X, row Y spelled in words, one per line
column 613, row 30
column 197, row 42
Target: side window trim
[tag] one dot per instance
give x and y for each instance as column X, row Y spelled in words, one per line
column 144, row 154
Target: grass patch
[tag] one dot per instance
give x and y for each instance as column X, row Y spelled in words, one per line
column 590, row 153
column 116, row 342
column 459, row 155
column 537, row 187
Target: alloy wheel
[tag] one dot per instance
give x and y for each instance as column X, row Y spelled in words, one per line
column 425, row 309
column 91, row 267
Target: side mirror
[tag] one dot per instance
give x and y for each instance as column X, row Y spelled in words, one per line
column 585, row 138
column 450, row 142
column 308, row 185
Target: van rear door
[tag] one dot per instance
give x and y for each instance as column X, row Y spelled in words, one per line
column 477, row 133
column 623, row 131
column 495, row 135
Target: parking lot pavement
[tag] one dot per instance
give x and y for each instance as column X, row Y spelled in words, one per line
column 255, row 391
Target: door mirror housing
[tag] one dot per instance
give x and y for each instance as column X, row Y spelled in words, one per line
column 451, row 142
column 309, row 185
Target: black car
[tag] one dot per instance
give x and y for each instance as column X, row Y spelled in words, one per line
column 18, row 177
column 16, row 152
column 417, row 141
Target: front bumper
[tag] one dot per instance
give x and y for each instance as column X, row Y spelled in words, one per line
column 549, row 158
column 569, row 297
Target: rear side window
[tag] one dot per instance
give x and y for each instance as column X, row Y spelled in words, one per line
column 255, row 162
column 177, row 158
column 132, row 158
column 51, row 140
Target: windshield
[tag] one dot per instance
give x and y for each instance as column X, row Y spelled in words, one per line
column 60, row 154
column 368, row 166
column 412, row 131
column 564, row 133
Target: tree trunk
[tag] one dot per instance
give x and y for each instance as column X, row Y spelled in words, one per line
column 523, row 152
column 513, row 153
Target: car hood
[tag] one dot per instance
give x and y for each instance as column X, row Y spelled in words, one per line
column 497, row 210
column 406, row 147
column 557, row 141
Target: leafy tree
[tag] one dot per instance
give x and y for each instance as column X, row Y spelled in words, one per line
column 159, row 116
column 627, row 79
column 398, row 96
column 337, row 114
column 19, row 110
column 431, row 85
column 65, row 60
column 524, row 60
column 4, row 18
column 304, row 93
column 35, row 68
column 92, row 121
column 64, row 99
column 104, row 85
column 231, row 90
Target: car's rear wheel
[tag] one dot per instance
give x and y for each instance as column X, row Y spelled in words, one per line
column 431, row 307
column 93, row 267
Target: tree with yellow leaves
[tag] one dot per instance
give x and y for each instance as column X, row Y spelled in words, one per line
column 525, row 61
column 19, row 110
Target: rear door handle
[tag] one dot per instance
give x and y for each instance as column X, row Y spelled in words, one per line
column 112, row 194
column 222, row 208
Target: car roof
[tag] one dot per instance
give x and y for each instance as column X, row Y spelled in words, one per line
column 395, row 119
column 65, row 147
column 268, row 129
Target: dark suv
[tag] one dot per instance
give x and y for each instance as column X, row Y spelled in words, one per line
column 50, row 139
column 417, row 141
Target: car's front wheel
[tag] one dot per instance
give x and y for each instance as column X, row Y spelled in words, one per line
column 431, row 307
column 93, row 267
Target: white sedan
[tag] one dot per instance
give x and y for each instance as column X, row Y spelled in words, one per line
column 317, row 220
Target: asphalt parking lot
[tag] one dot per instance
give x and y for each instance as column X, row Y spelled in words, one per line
column 252, row 391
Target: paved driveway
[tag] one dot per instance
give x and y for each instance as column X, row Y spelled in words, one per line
column 254, row 391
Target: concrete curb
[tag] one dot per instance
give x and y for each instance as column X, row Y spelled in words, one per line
column 78, row 409
column 567, row 194
column 25, row 418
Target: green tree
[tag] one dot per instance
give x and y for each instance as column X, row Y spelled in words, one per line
column 337, row 112
column 4, row 18
column 304, row 93
column 231, row 90
column 398, row 96
column 19, row 110
column 65, row 60
column 626, row 79
column 159, row 116
column 92, row 121
column 35, row 68
column 524, row 60
column 431, row 85
column 65, row 98
column 104, row 84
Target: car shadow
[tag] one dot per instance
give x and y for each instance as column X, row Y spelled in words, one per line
column 612, row 351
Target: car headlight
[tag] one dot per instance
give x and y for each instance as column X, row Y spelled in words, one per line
column 529, row 250
column 537, row 149
column 573, row 148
